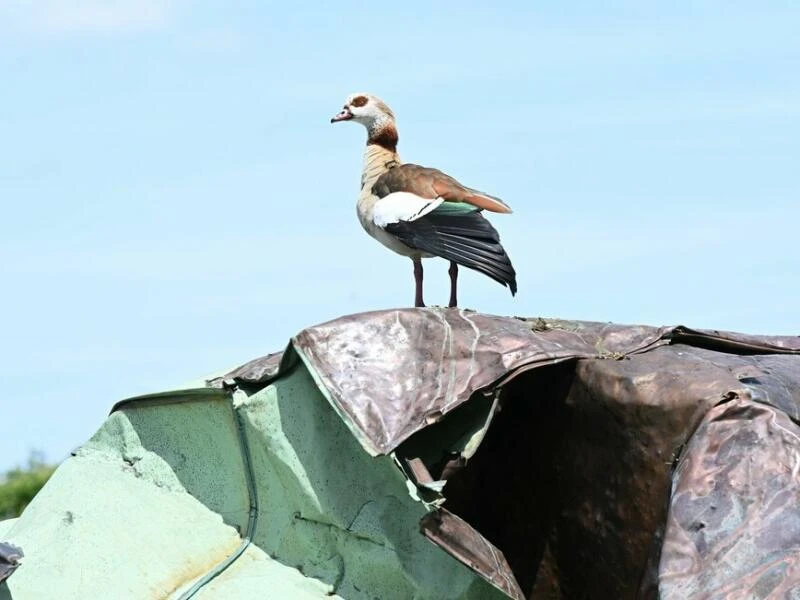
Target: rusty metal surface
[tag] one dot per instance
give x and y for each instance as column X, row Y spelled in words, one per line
column 734, row 523
column 10, row 556
column 457, row 537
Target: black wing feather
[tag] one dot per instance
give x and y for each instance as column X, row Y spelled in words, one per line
column 467, row 239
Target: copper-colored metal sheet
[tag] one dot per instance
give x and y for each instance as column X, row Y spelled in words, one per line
column 728, row 341
column 734, row 523
column 568, row 493
column 573, row 480
column 458, row 538
column 257, row 371
column 419, row 471
column 391, row 373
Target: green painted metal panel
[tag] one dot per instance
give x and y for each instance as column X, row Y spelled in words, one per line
column 158, row 501
column 337, row 513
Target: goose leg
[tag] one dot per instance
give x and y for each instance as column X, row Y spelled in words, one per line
column 418, row 281
column 453, row 271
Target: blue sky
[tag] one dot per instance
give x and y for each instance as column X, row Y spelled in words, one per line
column 175, row 200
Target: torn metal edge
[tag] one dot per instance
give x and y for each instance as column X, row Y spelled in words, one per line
column 10, row 556
column 462, row 541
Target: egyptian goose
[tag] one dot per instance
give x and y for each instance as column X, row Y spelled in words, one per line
column 420, row 212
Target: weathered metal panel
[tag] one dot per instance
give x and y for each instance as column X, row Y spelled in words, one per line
column 572, row 482
column 392, row 373
column 460, row 539
column 260, row 370
column 334, row 512
column 558, row 484
column 734, row 521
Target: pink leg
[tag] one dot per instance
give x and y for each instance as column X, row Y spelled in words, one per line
column 418, row 281
column 453, row 270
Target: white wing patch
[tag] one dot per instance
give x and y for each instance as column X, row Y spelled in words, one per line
column 402, row 206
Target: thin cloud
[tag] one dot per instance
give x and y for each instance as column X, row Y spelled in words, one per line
column 82, row 17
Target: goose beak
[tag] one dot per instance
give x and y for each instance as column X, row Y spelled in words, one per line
column 345, row 115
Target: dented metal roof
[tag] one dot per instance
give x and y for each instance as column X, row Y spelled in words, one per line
column 551, row 458
column 391, row 374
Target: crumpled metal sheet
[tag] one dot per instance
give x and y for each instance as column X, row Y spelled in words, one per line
column 605, row 464
column 734, row 522
column 458, row 538
column 772, row 379
column 371, row 364
column 729, row 341
column 392, row 373
column 572, row 482
column 624, row 424
column 257, row 371
column 9, row 559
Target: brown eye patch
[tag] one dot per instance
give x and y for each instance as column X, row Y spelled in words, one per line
column 359, row 101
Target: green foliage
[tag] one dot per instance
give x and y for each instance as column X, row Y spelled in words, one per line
column 18, row 486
